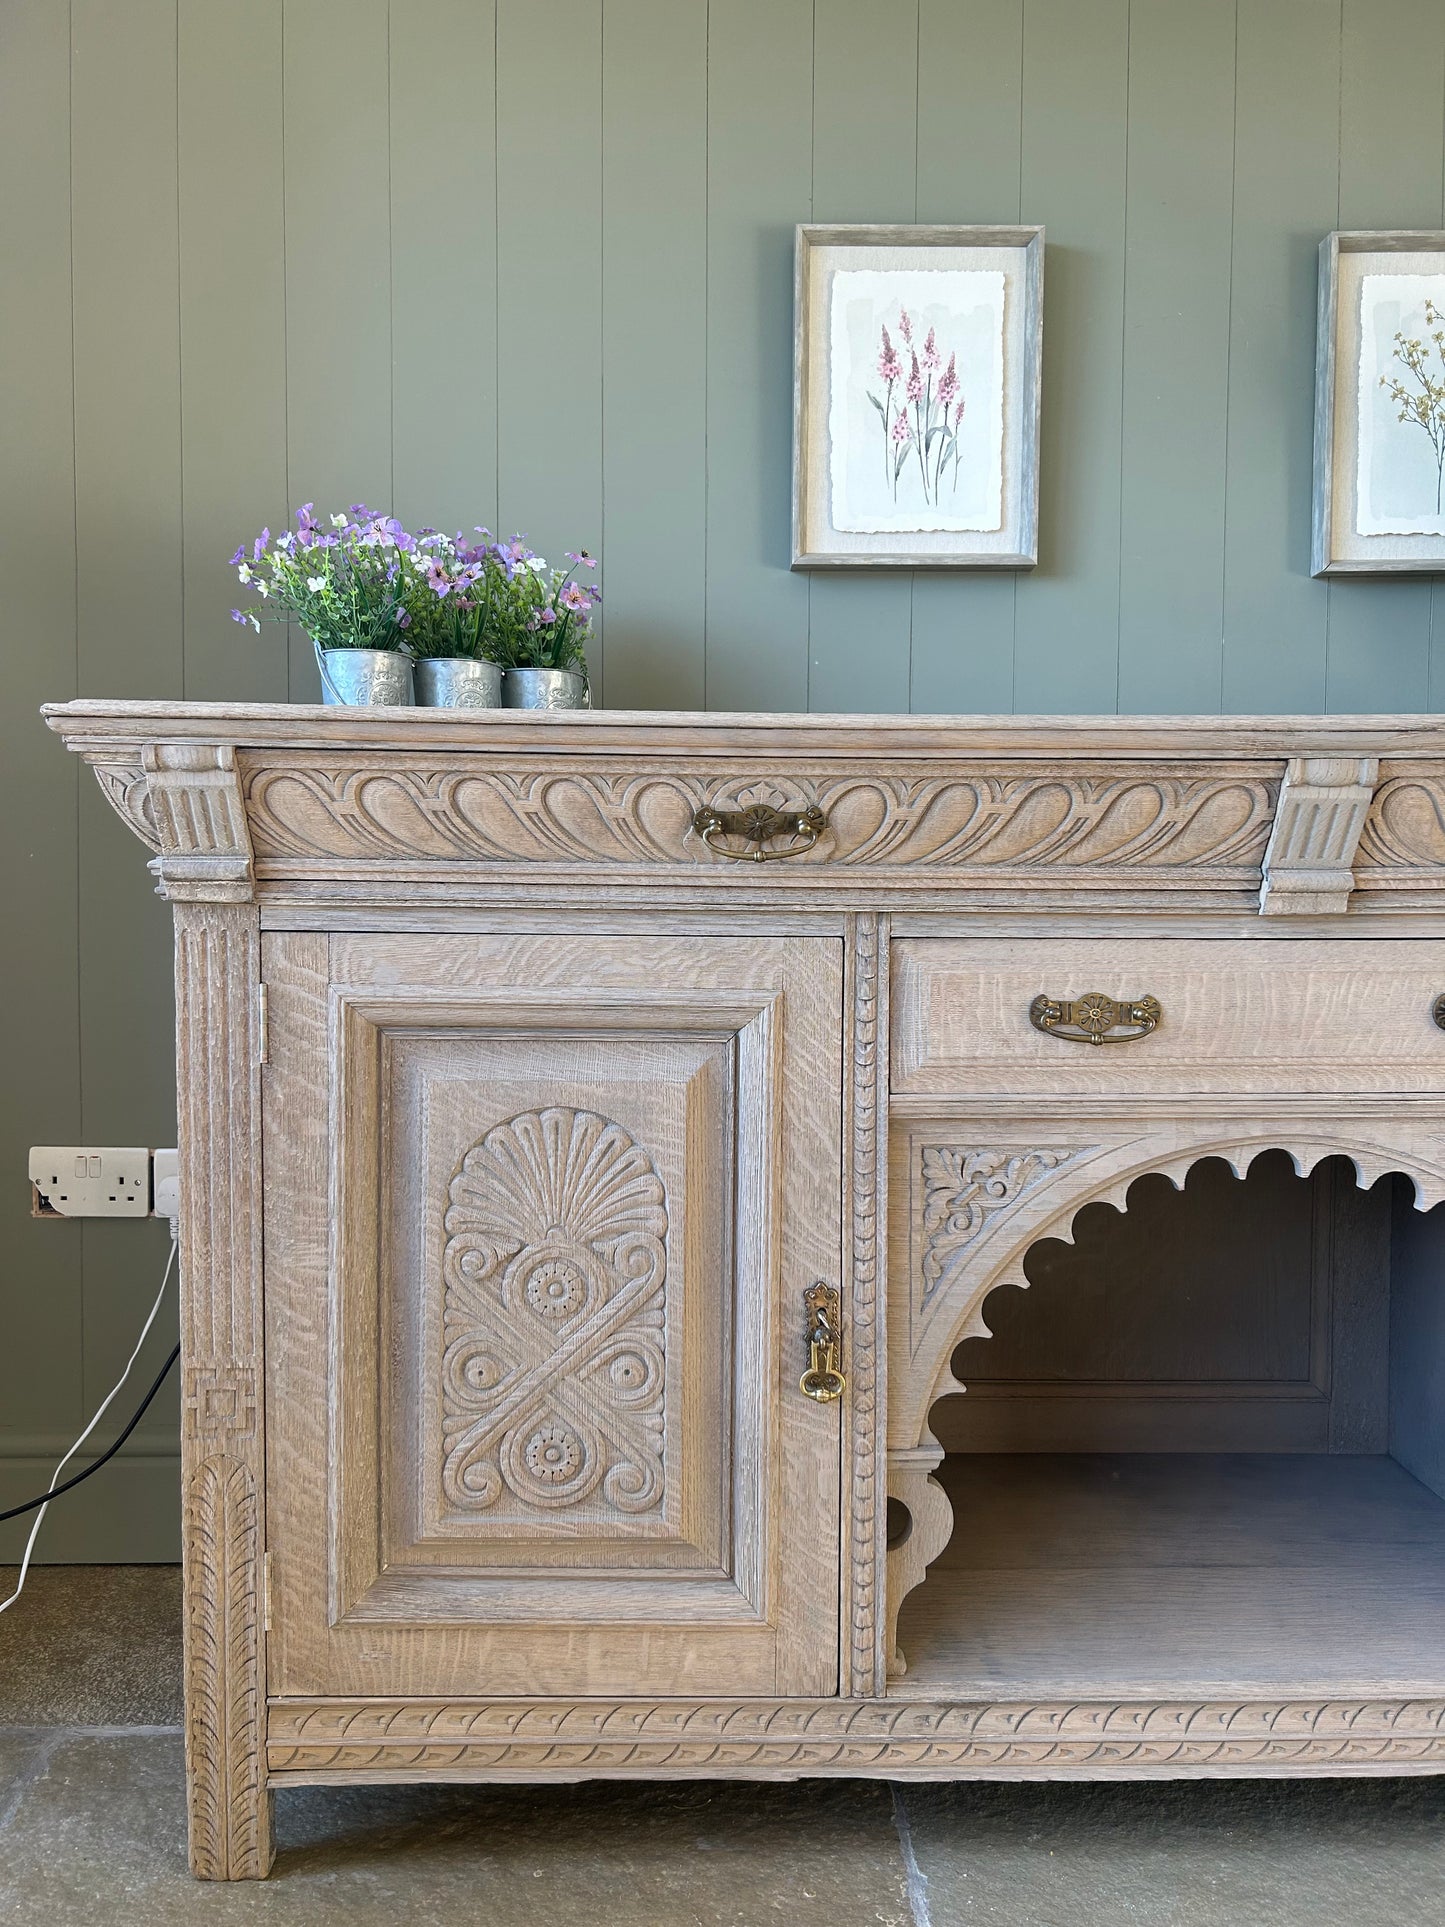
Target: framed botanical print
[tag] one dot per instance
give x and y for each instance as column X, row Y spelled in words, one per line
column 916, row 372
column 1379, row 480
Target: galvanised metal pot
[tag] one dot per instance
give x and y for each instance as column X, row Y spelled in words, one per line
column 458, row 682
column 365, row 676
column 544, row 689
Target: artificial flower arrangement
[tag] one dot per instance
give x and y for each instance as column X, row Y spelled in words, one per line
column 367, row 583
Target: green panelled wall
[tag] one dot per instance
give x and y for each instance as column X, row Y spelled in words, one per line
column 528, row 264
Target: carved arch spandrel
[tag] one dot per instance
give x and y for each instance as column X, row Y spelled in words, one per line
column 1039, row 1192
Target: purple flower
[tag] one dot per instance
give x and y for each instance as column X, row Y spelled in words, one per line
column 889, row 366
column 931, row 356
column 575, row 598
column 905, row 326
column 239, row 556
column 260, row 549
column 948, row 386
column 547, row 616
column 305, row 520
column 915, row 382
column 581, row 559
column 438, row 581
column 403, row 618
column 901, row 431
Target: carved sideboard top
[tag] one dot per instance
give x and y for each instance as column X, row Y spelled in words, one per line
column 1281, row 815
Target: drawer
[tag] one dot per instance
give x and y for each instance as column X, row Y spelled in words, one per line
column 1238, row 1015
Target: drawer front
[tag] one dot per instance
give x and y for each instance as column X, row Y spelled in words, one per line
column 1238, row 1015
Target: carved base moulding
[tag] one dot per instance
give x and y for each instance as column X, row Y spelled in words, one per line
column 330, row 1742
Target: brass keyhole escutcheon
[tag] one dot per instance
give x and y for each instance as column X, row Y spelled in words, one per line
column 823, row 1380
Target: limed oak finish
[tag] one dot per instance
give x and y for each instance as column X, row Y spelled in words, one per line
column 521, row 1116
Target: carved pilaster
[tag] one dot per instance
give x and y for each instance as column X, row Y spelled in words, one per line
column 1309, row 864
column 199, row 817
column 222, row 1435
column 864, row 1654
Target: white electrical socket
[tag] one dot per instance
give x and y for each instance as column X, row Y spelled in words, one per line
column 91, row 1181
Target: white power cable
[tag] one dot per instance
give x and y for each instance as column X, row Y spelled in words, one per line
column 99, row 1415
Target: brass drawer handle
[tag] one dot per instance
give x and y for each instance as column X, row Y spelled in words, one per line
column 757, row 825
column 1092, row 1018
column 823, row 1379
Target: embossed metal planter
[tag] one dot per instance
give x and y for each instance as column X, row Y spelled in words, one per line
column 365, row 677
column 544, row 689
column 458, row 682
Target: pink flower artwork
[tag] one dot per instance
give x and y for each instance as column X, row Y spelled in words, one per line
column 925, row 417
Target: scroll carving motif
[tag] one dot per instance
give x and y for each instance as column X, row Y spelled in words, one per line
column 555, row 1269
column 965, row 1191
column 880, row 1736
column 1405, row 829
column 228, row 1808
column 124, row 787
column 1215, row 821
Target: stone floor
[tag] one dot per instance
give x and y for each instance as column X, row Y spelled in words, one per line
column 92, row 1827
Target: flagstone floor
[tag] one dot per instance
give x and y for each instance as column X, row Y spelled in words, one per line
column 92, row 1827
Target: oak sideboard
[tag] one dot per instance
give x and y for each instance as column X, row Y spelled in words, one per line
column 601, row 1137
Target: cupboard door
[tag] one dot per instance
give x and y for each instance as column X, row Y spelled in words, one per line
column 540, row 1214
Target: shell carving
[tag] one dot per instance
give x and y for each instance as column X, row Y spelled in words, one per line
column 554, row 1273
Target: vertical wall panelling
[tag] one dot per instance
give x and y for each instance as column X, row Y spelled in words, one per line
column 1179, row 200
column 1392, row 118
column 1286, row 164
column 128, row 598
column 1075, row 93
column 970, row 103
column 521, row 261
column 338, row 265
column 759, row 185
column 865, row 102
column 654, row 350
column 549, row 275
column 232, row 334
column 444, row 262
column 40, row 1298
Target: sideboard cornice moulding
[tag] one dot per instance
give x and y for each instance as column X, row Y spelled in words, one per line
column 1289, row 816
column 605, row 1208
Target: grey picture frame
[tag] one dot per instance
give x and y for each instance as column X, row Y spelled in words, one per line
column 1333, row 550
column 1022, row 399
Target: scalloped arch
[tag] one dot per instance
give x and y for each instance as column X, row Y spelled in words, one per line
column 1371, row 1160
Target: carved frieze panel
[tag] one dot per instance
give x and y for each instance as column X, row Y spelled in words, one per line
column 555, row 1267
column 1403, row 842
column 1215, row 820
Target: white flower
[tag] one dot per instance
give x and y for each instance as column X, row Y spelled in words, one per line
column 243, row 570
column 316, row 583
column 255, row 624
column 537, row 564
column 261, row 587
column 338, row 521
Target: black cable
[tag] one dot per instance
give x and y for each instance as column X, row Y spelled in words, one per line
column 31, row 1505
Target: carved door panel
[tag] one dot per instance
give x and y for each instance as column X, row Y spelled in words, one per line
column 540, row 1214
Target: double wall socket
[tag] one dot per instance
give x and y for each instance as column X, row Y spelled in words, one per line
column 98, row 1181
